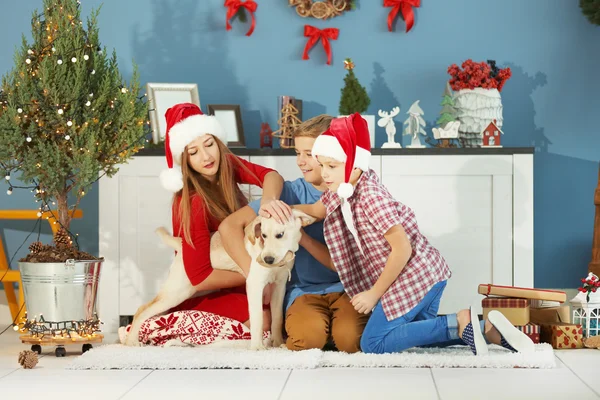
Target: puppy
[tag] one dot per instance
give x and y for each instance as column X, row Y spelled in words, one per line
column 271, row 247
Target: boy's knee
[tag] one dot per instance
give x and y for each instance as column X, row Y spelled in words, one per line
column 304, row 339
column 346, row 334
column 306, row 329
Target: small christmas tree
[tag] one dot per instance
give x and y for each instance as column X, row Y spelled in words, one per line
column 66, row 116
column 448, row 110
column 591, row 9
column 354, row 96
column 287, row 125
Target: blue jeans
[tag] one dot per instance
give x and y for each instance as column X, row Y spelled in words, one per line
column 420, row 327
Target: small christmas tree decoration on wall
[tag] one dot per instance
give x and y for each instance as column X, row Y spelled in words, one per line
column 414, row 125
column 354, row 96
column 591, row 9
column 288, row 123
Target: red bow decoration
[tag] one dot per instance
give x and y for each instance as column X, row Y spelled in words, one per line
column 233, row 6
column 314, row 34
column 407, row 12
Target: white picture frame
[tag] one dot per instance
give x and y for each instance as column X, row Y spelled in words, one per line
column 162, row 96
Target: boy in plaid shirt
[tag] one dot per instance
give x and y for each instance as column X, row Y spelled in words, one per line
column 387, row 267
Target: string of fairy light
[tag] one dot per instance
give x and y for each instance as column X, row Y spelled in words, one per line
column 27, row 112
column 39, row 328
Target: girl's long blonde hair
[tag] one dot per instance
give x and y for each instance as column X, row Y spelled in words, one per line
column 220, row 198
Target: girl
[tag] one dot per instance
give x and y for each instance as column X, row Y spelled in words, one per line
column 204, row 175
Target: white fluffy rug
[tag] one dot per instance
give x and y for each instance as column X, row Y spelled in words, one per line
column 122, row 357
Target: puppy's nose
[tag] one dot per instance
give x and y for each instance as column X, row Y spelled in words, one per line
column 269, row 260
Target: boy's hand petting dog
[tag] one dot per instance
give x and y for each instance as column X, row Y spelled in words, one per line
column 277, row 209
column 365, row 302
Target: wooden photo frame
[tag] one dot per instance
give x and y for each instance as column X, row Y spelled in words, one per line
column 230, row 117
column 162, row 96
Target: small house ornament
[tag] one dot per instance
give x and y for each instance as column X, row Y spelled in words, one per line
column 491, row 135
column 266, row 135
column 387, row 121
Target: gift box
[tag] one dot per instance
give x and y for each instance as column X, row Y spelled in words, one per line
column 550, row 315
column 515, row 310
column 532, row 331
column 562, row 336
column 522, row 293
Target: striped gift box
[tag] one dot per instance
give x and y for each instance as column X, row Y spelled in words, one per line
column 532, row 331
column 504, row 302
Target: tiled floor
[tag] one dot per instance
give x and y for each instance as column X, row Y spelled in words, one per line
column 575, row 377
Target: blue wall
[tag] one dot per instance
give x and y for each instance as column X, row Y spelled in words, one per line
column 551, row 101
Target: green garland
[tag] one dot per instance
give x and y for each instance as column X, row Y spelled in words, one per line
column 591, row 9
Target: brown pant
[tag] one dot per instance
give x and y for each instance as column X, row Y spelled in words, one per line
column 312, row 319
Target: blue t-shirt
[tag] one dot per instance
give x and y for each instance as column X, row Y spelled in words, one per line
column 308, row 276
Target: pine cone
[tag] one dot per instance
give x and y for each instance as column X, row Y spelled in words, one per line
column 62, row 238
column 36, row 247
column 28, row 359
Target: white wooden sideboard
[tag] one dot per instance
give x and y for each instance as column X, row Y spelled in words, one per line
column 474, row 205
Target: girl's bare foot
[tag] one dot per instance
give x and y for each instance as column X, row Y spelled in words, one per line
column 463, row 317
column 491, row 333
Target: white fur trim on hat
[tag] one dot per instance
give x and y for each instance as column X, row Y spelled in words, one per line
column 328, row 146
column 362, row 159
column 184, row 132
column 345, row 190
column 172, row 179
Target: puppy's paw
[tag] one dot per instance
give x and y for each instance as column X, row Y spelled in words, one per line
column 277, row 341
column 257, row 346
column 132, row 341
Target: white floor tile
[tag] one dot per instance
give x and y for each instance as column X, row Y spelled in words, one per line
column 584, row 363
column 55, row 383
column 216, row 384
column 365, row 383
column 4, row 372
column 530, row 384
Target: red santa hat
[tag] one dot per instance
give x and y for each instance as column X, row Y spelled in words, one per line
column 185, row 123
column 347, row 140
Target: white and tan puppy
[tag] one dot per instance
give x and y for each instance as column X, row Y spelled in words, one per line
column 271, row 247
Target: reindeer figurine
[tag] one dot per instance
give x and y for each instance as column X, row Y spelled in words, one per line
column 387, row 121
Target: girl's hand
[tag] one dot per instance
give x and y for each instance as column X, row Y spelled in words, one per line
column 365, row 302
column 276, row 209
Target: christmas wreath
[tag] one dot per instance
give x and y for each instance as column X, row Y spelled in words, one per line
column 322, row 9
column 591, row 9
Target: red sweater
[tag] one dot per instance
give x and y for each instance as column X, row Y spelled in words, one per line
column 197, row 259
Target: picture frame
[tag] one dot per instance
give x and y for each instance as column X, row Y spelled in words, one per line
column 230, row 117
column 162, row 96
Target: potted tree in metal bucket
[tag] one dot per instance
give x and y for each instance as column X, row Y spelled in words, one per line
column 67, row 118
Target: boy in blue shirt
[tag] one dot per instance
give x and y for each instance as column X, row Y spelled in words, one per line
column 317, row 310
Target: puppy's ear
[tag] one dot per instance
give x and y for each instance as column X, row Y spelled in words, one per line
column 304, row 218
column 253, row 230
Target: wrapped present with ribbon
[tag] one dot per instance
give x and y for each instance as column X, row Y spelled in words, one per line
column 488, row 289
column 532, row 331
column 550, row 315
column 515, row 310
column 562, row 336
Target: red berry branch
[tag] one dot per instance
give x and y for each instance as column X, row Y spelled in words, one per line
column 590, row 285
column 473, row 75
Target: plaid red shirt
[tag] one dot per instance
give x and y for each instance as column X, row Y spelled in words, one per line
column 375, row 211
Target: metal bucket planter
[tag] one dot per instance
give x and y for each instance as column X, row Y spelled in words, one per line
column 61, row 291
